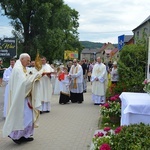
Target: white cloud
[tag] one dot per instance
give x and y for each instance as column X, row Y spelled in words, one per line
column 5, row 27
column 5, row 31
column 101, row 20
column 106, row 19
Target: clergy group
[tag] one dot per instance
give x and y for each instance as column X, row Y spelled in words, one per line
column 29, row 90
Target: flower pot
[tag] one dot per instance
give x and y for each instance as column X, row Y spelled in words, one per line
column 115, row 119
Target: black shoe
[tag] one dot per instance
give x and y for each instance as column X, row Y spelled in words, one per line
column 79, row 102
column 47, row 111
column 23, row 139
column 41, row 112
column 29, row 139
column 17, row 141
column 96, row 103
column 102, row 103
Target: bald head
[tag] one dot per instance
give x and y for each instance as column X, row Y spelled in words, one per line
column 75, row 62
column 25, row 59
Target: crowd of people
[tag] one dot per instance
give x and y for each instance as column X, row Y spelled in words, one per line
column 29, row 90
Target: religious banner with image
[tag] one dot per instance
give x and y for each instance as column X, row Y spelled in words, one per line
column 70, row 55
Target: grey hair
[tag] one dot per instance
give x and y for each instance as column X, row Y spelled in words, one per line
column 23, row 55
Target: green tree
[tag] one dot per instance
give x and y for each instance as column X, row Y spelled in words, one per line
column 62, row 33
column 49, row 26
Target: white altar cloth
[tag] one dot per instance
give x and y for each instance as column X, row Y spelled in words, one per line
column 135, row 108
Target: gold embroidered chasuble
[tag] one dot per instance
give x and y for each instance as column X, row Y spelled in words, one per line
column 99, row 85
column 20, row 87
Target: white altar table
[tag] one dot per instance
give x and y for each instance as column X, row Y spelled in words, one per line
column 135, row 108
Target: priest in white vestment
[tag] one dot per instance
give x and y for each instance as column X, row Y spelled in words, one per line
column 6, row 77
column 23, row 113
column 76, row 86
column 99, row 79
column 46, row 86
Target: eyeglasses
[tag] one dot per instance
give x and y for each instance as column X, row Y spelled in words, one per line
column 74, row 62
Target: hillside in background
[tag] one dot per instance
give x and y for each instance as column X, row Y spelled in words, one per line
column 87, row 44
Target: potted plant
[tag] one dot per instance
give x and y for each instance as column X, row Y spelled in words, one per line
column 112, row 109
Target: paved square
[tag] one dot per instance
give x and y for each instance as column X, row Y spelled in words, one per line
column 66, row 127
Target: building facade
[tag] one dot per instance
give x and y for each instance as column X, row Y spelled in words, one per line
column 142, row 29
column 107, row 52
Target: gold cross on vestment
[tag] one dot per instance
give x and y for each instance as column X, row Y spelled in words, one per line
column 98, row 70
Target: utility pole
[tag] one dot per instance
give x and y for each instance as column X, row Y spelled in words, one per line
column 148, row 64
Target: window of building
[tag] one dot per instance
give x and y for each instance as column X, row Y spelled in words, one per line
column 145, row 31
column 137, row 34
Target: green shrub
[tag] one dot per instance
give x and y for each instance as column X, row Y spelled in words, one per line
column 132, row 67
column 132, row 137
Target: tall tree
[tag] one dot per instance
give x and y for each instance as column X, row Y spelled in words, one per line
column 63, row 26
column 47, row 25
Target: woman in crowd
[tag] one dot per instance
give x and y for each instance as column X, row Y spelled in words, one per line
column 114, row 74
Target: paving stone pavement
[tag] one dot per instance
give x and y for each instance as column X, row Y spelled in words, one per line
column 66, row 127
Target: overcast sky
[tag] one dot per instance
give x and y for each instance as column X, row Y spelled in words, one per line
column 101, row 20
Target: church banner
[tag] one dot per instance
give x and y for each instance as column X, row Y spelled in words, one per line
column 70, row 55
column 8, row 47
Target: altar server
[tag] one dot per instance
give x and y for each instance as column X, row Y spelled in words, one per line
column 64, row 86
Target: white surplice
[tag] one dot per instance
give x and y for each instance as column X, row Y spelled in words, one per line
column 76, row 85
column 64, row 85
column 57, row 86
column 6, row 77
column 47, row 89
column 76, row 73
column 53, row 80
column 99, row 87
